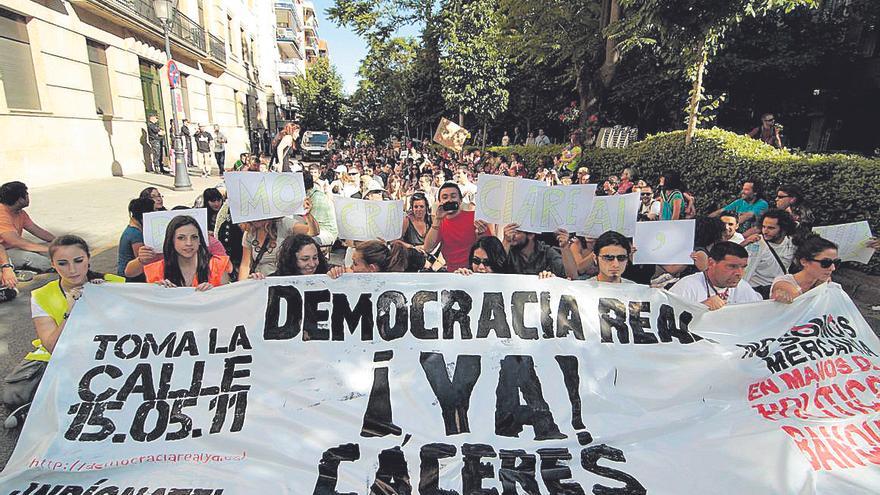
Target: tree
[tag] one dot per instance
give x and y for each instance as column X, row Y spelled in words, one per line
column 473, row 70
column 689, row 30
column 319, row 94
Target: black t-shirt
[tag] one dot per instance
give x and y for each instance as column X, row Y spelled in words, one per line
column 203, row 141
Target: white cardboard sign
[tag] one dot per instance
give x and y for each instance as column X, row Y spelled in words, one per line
column 262, row 195
column 668, row 242
column 156, row 222
column 618, row 213
column 363, row 220
column 850, row 239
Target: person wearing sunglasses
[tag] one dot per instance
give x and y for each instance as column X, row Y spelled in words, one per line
column 487, row 256
column 817, row 259
column 612, row 252
column 769, row 131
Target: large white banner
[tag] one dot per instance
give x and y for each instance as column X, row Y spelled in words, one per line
column 534, row 205
column 261, row 195
column 363, row 220
column 442, row 384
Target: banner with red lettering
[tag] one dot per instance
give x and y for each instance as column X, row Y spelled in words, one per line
column 451, row 384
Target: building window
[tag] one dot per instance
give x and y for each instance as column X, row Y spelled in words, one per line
column 238, row 108
column 184, row 95
column 16, row 63
column 100, row 77
column 244, row 48
column 209, row 103
column 229, row 35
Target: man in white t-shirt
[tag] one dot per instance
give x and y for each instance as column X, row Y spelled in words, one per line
column 468, row 188
column 722, row 283
column 774, row 250
column 731, row 224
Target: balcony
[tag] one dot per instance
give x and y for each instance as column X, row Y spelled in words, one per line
column 216, row 51
column 290, row 69
column 288, row 43
column 138, row 14
column 288, row 12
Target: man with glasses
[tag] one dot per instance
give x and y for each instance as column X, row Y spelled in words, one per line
column 722, row 283
column 769, row 131
column 790, row 197
column 612, row 251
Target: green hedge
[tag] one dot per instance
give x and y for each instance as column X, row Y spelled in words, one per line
column 839, row 188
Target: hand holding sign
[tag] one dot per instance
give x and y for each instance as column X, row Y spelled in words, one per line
column 155, row 224
column 852, row 240
column 363, row 220
column 664, row 242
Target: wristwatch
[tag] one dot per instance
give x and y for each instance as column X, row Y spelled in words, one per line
column 7, row 265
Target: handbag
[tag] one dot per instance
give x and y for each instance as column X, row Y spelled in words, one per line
column 20, row 385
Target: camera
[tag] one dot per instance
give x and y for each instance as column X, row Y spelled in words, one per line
column 450, row 206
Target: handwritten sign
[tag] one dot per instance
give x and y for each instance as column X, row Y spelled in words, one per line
column 664, row 243
column 262, row 195
column 363, row 220
column 156, row 223
column 451, row 135
column 618, row 212
column 534, row 205
column 851, row 239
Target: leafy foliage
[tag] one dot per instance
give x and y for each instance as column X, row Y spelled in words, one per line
column 473, row 70
column 319, row 93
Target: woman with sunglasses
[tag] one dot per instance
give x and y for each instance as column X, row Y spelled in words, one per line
column 817, row 258
column 487, row 256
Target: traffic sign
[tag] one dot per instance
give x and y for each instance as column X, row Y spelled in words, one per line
column 173, row 74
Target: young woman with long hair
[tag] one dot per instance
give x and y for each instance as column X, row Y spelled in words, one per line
column 671, row 197
column 52, row 303
column 186, row 260
column 299, row 255
column 417, row 222
column 487, row 256
column 263, row 238
column 212, row 199
column 375, row 257
column 817, row 259
column 284, row 146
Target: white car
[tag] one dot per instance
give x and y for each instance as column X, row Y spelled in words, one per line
column 315, row 145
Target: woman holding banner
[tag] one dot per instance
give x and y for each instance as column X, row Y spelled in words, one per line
column 52, row 303
column 487, row 256
column 817, row 258
column 186, row 261
column 263, row 239
column 375, row 257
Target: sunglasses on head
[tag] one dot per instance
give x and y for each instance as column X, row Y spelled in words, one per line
column 480, row 261
column 827, row 262
column 611, row 257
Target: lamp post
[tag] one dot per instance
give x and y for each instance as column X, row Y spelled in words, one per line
column 164, row 10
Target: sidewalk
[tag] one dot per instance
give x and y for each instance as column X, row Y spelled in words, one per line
column 97, row 210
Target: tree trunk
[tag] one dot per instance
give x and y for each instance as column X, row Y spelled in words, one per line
column 696, row 94
column 460, row 118
column 593, row 87
column 485, row 125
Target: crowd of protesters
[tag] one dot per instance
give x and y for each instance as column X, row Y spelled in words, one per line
column 753, row 248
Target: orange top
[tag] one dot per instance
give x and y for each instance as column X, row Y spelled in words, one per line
column 216, row 268
column 13, row 222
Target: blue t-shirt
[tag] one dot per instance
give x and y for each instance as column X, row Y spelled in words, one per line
column 741, row 206
column 129, row 236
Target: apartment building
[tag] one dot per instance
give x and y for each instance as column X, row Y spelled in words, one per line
column 78, row 79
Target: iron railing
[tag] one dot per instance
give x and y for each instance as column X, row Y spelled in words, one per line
column 217, row 48
column 182, row 27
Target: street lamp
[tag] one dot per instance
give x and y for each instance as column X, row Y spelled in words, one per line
column 164, row 10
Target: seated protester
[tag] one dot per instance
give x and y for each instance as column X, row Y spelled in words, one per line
column 731, row 225
column 8, row 280
column 212, row 199
column 300, row 254
column 186, row 261
column 22, row 253
column 487, row 256
column 263, row 238
column 156, row 196
column 790, row 197
column 132, row 238
column 611, row 253
column 52, row 303
column 773, row 251
column 375, row 257
column 230, row 235
column 817, row 259
column 529, row 256
column 722, row 283
column 748, row 207
column 241, row 163
column 454, row 229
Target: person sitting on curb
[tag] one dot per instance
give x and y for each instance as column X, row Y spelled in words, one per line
column 722, row 283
